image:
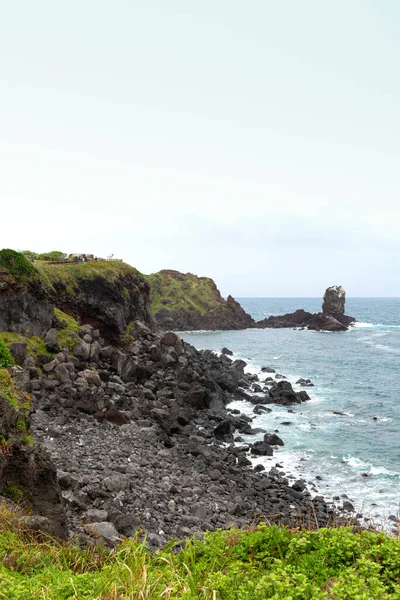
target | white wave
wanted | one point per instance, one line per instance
(382, 471)
(387, 348)
(276, 357)
(355, 462)
(369, 468)
(362, 324)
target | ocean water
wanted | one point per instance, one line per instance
(356, 373)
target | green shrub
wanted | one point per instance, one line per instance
(17, 264)
(20, 423)
(13, 493)
(54, 255)
(6, 360)
(29, 440)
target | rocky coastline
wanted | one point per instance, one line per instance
(331, 318)
(136, 433)
(185, 302)
(141, 438)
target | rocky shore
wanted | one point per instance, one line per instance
(141, 438)
(185, 302)
(131, 430)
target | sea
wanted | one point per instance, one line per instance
(345, 441)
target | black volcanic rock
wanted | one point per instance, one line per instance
(299, 318)
(323, 322)
(332, 317)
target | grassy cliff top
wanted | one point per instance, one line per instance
(173, 290)
(72, 274)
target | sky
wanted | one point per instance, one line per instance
(257, 143)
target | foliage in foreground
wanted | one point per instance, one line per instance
(6, 360)
(264, 562)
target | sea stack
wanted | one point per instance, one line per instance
(332, 317)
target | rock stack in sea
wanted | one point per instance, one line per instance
(332, 317)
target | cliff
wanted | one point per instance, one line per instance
(183, 301)
(106, 295)
(27, 474)
(25, 304)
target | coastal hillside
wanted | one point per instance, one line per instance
(109, 295)
(183, 301)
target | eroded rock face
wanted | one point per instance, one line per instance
(107, 304)
(25, 311)
(27, 473)
(334, 301)
(184, 302)
(231, 316)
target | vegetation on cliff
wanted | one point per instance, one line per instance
(173, 290)
(15, 268)
(259, 563)
(70, 275)
(184, 301)
(106, 294)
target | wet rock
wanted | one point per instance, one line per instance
(273, 440)
(261, 449)
(227, 351)
(259, 409)
(304, 382)
(267, 370)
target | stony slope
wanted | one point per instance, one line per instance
(183, 301)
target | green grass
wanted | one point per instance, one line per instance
(8, 390)
(35, 345)
(64, 335)
(262, 562)
(70, 274)
(173, 290)
(17, 265)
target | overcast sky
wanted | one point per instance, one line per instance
(254, 142)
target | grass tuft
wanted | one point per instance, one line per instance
(254, 564)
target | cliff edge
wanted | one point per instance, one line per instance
(183, 302)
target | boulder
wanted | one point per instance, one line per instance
(283, 394)
(324, 322)
(170, 339)
(92, 377)
(261, 449)
(51, 340)
(273, 440)
(104, 530)
(227, 352)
